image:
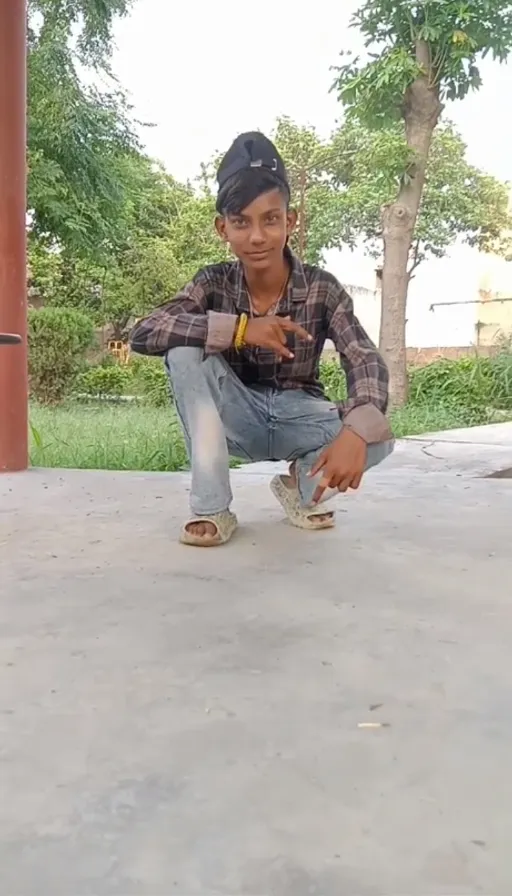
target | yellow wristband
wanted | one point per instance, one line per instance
(240, 332)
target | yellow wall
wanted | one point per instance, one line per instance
(494, 318)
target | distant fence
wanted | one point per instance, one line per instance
(420, 357)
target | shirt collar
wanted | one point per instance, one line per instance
(297, 290)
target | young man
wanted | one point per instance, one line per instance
(242, 344)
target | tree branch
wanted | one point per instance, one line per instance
(416, 258)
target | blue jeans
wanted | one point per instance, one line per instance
(220, 416)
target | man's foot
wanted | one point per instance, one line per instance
(284, 488)
(209, 531)
(290, 482)
(202, 530)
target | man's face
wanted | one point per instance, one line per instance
(258, 235)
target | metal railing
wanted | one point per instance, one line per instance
(9, 339)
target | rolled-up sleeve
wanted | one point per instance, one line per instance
(185, 321)
(364, 410)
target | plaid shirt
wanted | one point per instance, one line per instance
(205, 314)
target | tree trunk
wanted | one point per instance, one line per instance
(119, 328)
(421, 114)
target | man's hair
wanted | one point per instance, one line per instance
(246, 186)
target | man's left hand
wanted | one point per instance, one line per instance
(342, 464)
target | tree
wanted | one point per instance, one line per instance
(420, 55)
(311, 167)
(89, 21)
(111, 233)
(78, 136)
(152, 267)
(458, 202)
(168, 234)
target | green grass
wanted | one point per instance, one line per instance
(106, 437)
(137, 437)
(414, 420)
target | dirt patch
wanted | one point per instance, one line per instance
(501, 474)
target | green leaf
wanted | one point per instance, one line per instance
(458, 35)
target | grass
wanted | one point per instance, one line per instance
(138, 437)
(414, 420)
(106, 437)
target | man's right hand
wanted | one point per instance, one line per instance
(270, 332)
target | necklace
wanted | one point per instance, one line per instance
(274, 305)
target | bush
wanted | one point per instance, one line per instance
(58, 339)
(150, 381)
(333, 378)
(501, 368)
(467, 382)
(106, 380)
(476, 384)
(467, 389)
(146, 378)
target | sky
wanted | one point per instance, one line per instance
(201, 72)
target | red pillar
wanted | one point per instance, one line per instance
(13, 278)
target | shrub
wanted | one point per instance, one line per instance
(333, 378)
(467, 388)
(467, 382)
(147, 379)
(106, 380)
(58, 339)
(150, 381)
(501, 368)
(476, 384)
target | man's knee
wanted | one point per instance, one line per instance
(377, 452)
(183, 356)
(190, 369)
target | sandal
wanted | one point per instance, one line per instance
(302, 517)
(225, 523)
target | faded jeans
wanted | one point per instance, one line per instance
(220, 416)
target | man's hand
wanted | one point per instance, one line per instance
(342, 464)
(270, 332)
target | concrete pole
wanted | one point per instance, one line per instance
(13, 277)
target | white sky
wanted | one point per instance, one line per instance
(203, 72)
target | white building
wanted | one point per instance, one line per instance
(444, 306)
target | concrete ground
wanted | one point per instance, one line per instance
(294, 714)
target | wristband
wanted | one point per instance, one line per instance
(240, 332)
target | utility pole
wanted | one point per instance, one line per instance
(13, 278)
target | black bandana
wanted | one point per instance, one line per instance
(252, 150)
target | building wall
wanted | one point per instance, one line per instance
(494, 311)
(449, 299)
(494, 322)
(367, 308)
(420, 357)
